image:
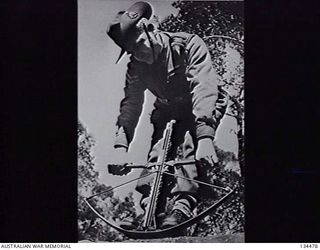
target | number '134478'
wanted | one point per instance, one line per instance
(311, 245)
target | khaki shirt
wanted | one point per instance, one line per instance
(183, 69)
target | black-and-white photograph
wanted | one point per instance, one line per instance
(161, 121)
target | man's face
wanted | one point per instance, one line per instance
(142, 49)
(144, 46)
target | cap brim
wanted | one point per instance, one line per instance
(121, 55)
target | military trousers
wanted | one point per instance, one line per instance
(183, 146)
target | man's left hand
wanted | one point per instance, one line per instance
(206, 151)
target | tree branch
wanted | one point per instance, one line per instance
(225, 37)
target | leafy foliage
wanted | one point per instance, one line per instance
(90, 226)
(229, 217)
(207, 17)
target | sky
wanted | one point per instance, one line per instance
(101, 83)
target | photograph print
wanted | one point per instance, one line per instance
(161, 121)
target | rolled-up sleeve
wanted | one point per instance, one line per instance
(203, 81)
(130, 106)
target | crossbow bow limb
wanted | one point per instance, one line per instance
(160, 233)
(159, 169)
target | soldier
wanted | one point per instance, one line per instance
(177, 69)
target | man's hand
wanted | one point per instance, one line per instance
(118, 169)
(206, 151)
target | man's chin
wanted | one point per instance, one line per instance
(145, 60)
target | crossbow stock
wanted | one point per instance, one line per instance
(149, 228)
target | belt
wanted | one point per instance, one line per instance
(175, 100)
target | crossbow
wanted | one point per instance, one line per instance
(149, 228)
